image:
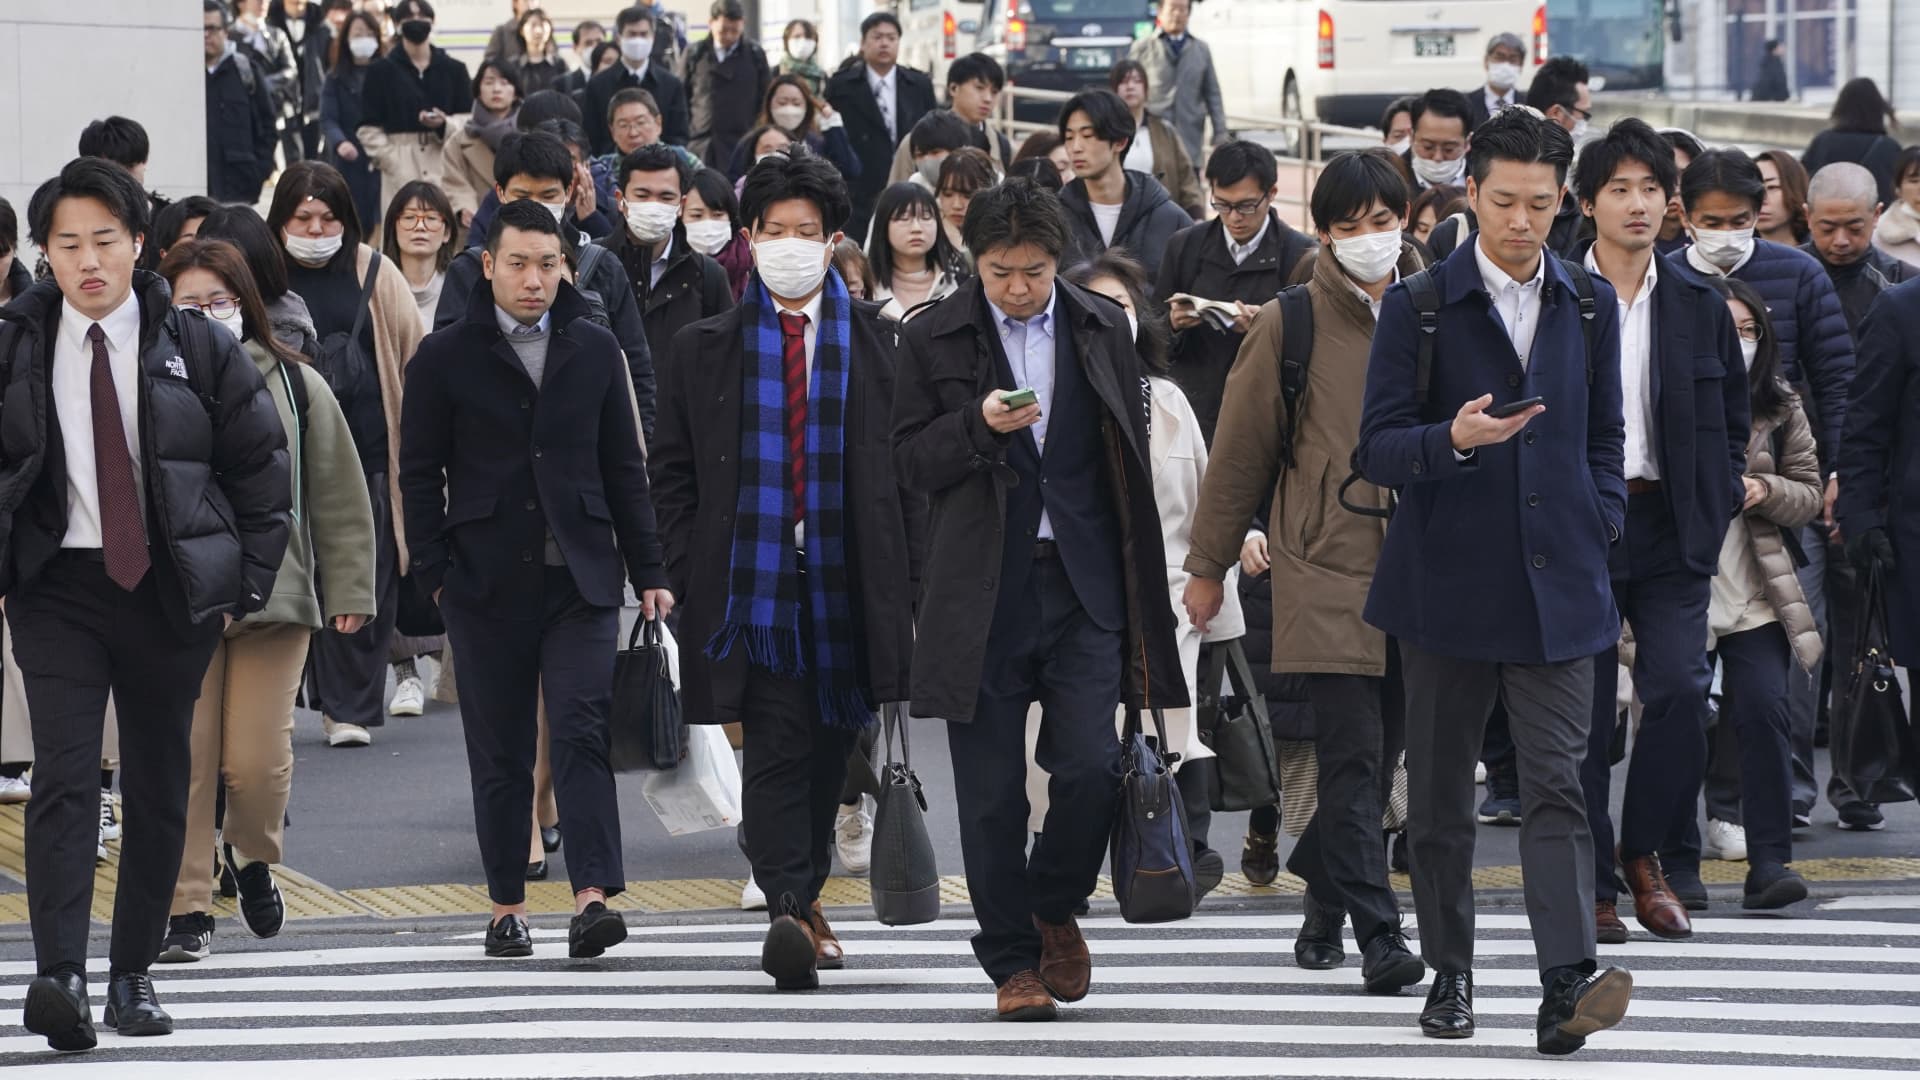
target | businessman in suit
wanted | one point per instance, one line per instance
(881, 101)
(525, 494)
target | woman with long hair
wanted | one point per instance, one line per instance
(341, 113)
(1860, 131)
(806, 117)
(963, 174)
(180, 220)
(287, 314)
(1156, 148)
(913, 262)
(242, 734)
(711, 213)
(1758, 613)
(1783, 214)
(420, 239)
(542, 67)
(466, 170)
(363, 344)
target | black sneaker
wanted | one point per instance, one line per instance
(261, 904)
(1208, 869)
(1862, 817)
(509, 937)
(1687, 887)
(189, 938)
(594, 931)
(1502, 804)
(1771, 886)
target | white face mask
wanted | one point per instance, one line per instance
(1723, 248)
(558, 210)
(308, 250)
(636, 49)
(1502, 77)
(709, 236)
(800, 48)
(1436, 173)
(1402, 146)
(1579, 132)
(362, 47)
(929, 170)
(1368, 257)
(651, 222)
(789, 116)
(791, 267)
(1749, 350)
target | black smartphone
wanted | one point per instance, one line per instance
(1501, 412)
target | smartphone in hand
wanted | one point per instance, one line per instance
(1511, 408)
(1019, 399)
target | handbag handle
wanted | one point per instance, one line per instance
(1159, 730)
(893, 720)
(1241, 673)
(1873, 633)
(650, 627)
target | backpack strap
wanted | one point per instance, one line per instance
(194, 336)
(1426, 305)
(366, 296)
(1589, 310)
(590, 256)
(295, 382)
(1296, 352)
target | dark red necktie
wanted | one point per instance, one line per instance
(793, 348)
(123, 528)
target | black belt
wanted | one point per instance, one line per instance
(1642, 487)
(1045, 549)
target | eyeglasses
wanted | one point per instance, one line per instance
(1239, 209)
(223, 308)
(641, 124)
(1751, 331)
(417, 220)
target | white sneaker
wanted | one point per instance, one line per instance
(341, 734)
(751, 898)
(109, 821)
(14, 790)
(409, 698)
(1479, 772)
(853, 837)
(1724, 840)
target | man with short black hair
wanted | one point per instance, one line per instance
(1442, 121)
(1185, 87)
(673, 284)
(1277, 423)
(726, 78)
(122, 140)
(587, 36)
(1685, 453)
(1558, 92)
(1036, 565)
(1505, 59)
(527, 514)
(640, 37)
(880, 102)
(1493, 577)
(787, 531)
(1244, 257)
(147, 495)
(1107, 205)
(974, 83)
(934, 136)
(240, 115)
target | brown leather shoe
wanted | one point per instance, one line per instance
(790, 954)
(1607, 927)
(827, 953)
(1025, 997)
(1654, 904)
(1065, 967)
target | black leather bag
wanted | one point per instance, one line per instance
(1872, 739)
(903, 877)
(649, 733)
(1152, 860)
(1246, 770)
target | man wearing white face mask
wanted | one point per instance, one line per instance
(1721, 193)
(642, 66)
(1442, 120)
(1506, 58)
(673, 284)
(791, 549)
(1275, 437)
(1558, 92)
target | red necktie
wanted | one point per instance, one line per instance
(123, 528)
(793, 348)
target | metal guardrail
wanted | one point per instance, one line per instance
(1302, 147)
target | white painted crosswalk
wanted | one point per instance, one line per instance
(1217, 996)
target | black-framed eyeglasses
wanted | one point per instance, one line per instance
(222, 308)
(1751, 331)
(1247, 208)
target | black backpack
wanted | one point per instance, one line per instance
(340, 359)
(590, 256)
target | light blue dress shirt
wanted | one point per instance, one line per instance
(1030, 346)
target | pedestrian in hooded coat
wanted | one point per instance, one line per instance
(1107, 205)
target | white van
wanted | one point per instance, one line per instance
(934, 32)
(1344, 61)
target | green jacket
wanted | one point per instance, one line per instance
(332, 515)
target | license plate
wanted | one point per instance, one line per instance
(1090, 59)
(1433, 44)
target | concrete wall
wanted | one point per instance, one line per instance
(64, 63)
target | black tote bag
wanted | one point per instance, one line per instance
(647, 728)
(1246, 769)
(1872, 738)
(903, 878)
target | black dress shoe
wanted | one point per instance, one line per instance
(1208, 869)
(1578, 1005)
(1387, 965)
(57, 1008)
(132, 1008)
(537, 871)
(594, 931)
(1687, 887)
(550, 839)
(509, 936)
(1318, 947)
(1449, 1011)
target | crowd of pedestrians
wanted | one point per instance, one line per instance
(1538, 434)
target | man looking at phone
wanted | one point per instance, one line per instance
(1686, 452)
(1493, 577)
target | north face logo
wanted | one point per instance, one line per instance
(177, 367)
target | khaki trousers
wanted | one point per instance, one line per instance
(242, 736)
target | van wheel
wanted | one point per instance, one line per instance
(1295, 140)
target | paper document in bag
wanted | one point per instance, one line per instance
(704, 792)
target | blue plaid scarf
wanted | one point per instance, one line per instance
(764, 602)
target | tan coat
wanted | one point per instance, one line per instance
(401, 158)
(1323, 554)
(1793, 499)
(1174, 167)
(396, 333)
(466, 169)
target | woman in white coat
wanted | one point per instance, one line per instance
(1179, 456)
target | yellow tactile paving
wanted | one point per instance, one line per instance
(310, 899)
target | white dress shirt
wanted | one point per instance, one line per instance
(1240, 251)
(1497, 102)
(1367, 298)
(1516, 302)
(1636, 372)
(639, 72)
(883, 94)
(73, 405)
(1029, 345)
(811, 309)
